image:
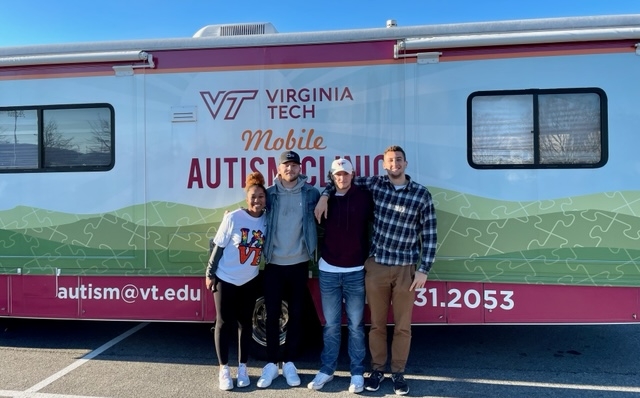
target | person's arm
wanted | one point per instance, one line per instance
(322, 209)
(428, 239)
(212, 266)
(320, 228)
(216, 248)
(364, 182)
(428, 235)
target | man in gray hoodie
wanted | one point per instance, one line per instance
(290, 244)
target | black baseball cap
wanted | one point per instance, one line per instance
(289, 156)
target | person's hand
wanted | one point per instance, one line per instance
(321, 208)
(419, 279)
(210, 283)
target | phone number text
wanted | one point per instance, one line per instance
(488, 299)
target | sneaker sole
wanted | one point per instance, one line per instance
(402, 392)
(262, 385)
(312, 386)
(294, 384)
(356, 390)
(374, 389)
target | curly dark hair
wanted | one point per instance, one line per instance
(255, 179)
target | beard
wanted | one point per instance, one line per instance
(289, 177)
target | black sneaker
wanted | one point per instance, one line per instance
(399, 384)
(373, 381)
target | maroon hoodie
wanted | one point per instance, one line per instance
(346, 240)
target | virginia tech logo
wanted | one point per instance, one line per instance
(227, 102)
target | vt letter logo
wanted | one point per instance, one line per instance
(229, 102)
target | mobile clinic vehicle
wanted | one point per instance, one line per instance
(118, 160)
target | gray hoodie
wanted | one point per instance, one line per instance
(292, 237)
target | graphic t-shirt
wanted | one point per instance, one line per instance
(242, 237)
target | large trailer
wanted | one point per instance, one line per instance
(118, 160)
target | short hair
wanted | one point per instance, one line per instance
(332, 178)
(396, 148)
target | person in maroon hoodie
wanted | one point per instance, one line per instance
(344, 249)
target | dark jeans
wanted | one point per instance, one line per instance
(284, 282)
(234, 309)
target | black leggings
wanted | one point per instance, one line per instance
(288, 282)
(234, 310)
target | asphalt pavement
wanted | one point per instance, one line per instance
(85, 359)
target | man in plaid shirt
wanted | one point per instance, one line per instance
(404, 232)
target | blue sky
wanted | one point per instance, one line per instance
(25, 22)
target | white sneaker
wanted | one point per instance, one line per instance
(291, 374)
(319, 381)
(269, 372)
(357, 384)
(224, 379)
(243, 376)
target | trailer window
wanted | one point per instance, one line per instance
(537, 129)
(65, 138)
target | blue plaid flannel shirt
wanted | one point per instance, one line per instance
(404, 228)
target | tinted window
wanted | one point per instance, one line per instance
(537, 128)
(57, 138)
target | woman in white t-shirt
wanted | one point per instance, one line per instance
(231, 275)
